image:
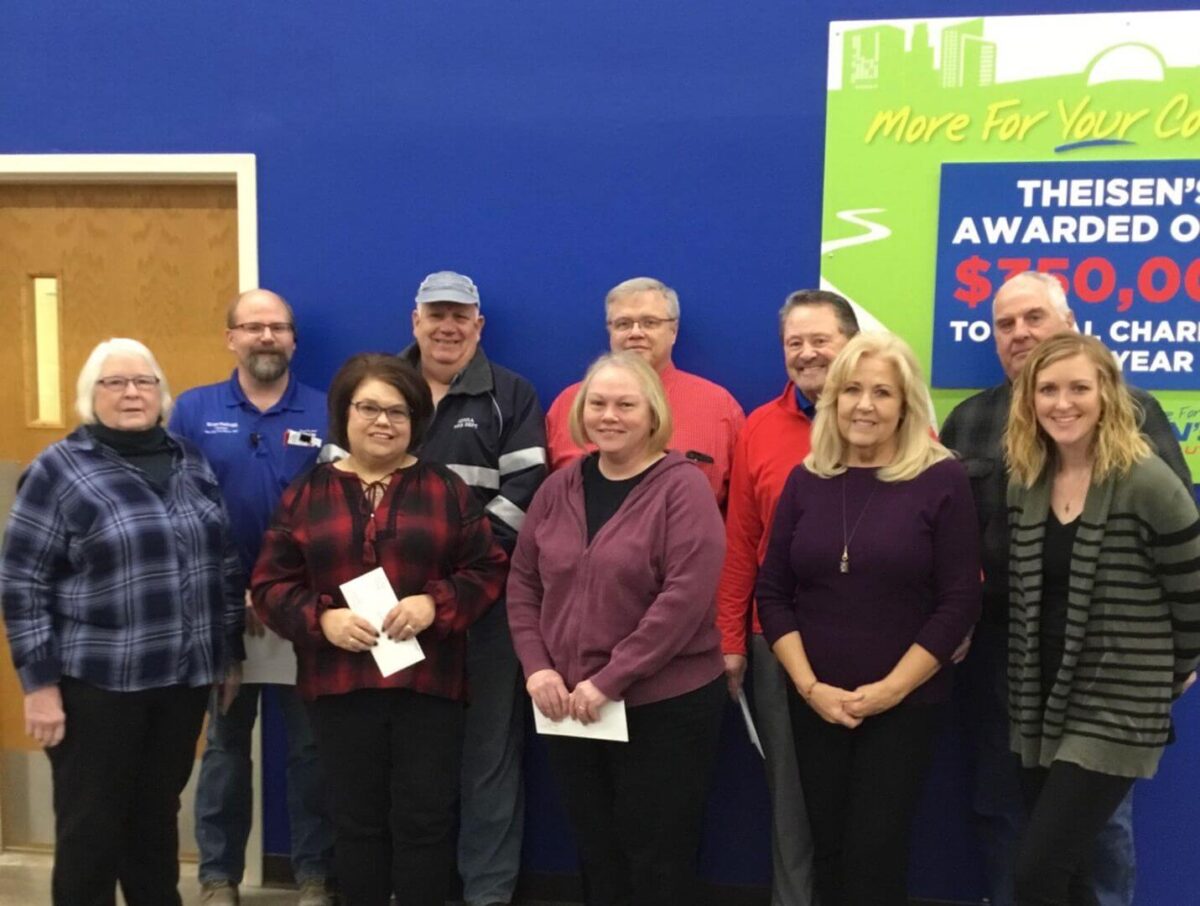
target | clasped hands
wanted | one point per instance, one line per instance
(549, 693)
(411, 616)
(849, 708)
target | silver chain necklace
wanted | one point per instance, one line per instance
(844, 565)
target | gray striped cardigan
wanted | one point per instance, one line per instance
(1133, 623)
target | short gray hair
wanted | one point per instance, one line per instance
(644, 285)
(85, 387)
(1047, 283)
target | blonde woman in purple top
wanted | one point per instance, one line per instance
(870, 583)
(611, 597)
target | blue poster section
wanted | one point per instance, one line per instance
(1122, 236)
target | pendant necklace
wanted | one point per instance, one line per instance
(844, 565)
(1072, 491)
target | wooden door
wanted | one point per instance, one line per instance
(157, 263)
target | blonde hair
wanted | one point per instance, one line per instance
(661, 424)
(916, 450)
(1117, 444)
(85, 385)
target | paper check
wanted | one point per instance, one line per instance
(611, 726)
(371, 596)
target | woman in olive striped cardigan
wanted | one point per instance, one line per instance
(1104, 626)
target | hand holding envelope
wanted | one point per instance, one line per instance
(411, 616)
(549, 693)
(347, 630)
(372, 599)
(586, 702)
(586, 712)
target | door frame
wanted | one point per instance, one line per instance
(238, 170)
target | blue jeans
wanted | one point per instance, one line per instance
(1114, 862)
(997, 807)
(996, 799)
(493, 792)
(223, 791)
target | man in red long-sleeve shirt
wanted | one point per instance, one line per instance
(814, 325)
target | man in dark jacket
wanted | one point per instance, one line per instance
(489, 428)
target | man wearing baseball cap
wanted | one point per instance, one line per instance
(488, 427)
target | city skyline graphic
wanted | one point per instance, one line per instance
(877, 53)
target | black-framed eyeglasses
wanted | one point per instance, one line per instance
(370, 411)
(258, 328)
(116, 383)
(648, 324)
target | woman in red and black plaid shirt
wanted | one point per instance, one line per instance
(390, 746)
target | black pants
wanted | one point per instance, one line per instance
(118, 773)
(861, 788)
(391, 758)
(637, 808)
(1068, 805)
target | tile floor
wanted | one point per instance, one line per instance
(25, 881)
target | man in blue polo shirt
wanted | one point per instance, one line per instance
(259, 430)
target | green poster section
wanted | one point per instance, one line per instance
(900, 112)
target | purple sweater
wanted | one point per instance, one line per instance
(914, 572)
(634, 610)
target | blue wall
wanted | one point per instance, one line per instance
(549, 148)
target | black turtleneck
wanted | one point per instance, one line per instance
(148, 450)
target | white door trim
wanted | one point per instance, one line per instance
(239, 170)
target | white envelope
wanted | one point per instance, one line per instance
(749, 721)
(269, 659)
(611, 726)
(371, 596)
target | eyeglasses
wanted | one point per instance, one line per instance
(116, 383)
(624, 325)
(257, 328)
(397, 415)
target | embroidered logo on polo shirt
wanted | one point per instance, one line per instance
(466, 422)
(302, 438)
(220, 427)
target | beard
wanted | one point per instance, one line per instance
(267, 365)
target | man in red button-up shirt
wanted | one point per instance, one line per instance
(642, 315)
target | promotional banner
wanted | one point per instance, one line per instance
(962, 151)
(1121, 237)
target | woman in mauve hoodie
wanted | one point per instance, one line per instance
(611, 598)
